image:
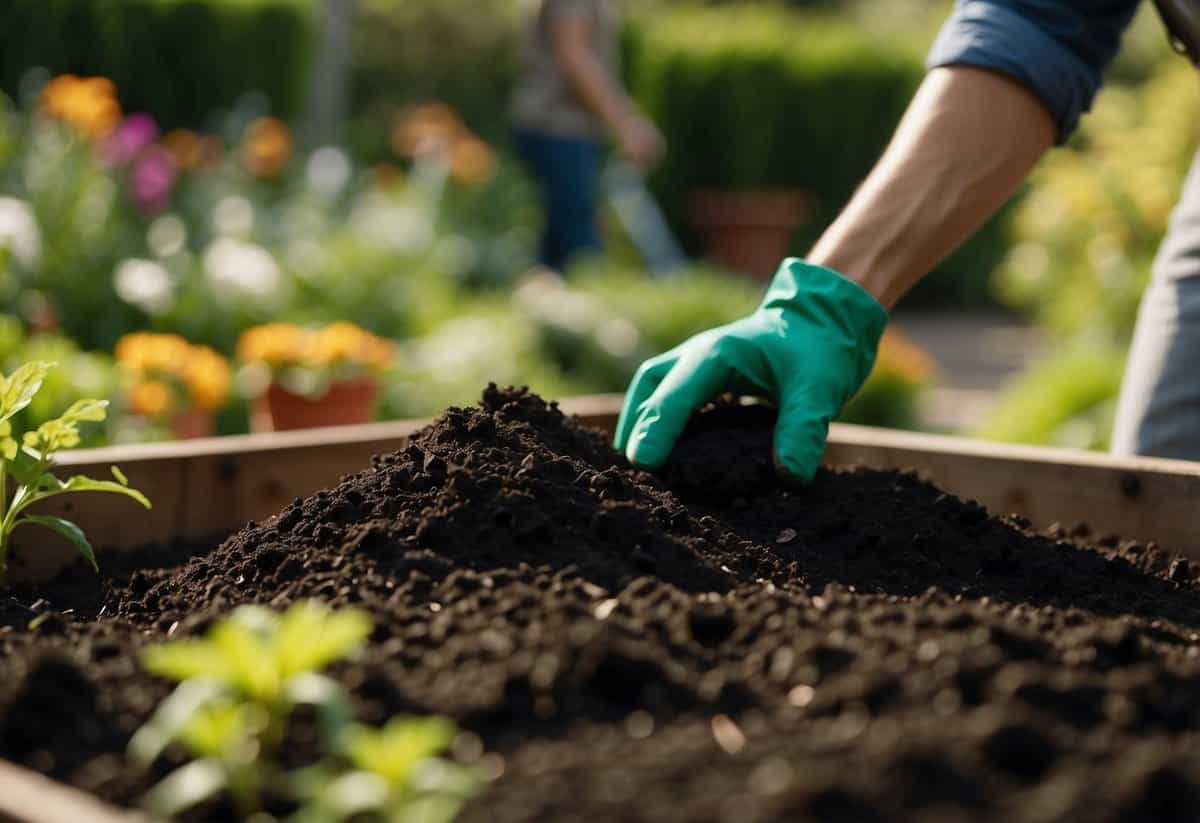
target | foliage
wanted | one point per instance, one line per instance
(78, 375)
(757, 96)
(179, 60)
(1084, 243)
(1067, 399)
(239, 688)
(27, 460)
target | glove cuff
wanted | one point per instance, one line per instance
(826, 297)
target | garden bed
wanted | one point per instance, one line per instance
(698, 645)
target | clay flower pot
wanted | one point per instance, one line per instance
(192, 423)
(345, 403)
(748, 231)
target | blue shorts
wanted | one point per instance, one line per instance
(567, 172)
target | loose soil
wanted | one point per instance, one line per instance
(703, 644)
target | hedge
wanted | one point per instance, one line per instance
(177, 59)
(759, 96)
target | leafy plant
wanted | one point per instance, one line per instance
(239, 686)
(27, 462)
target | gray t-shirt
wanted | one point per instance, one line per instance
(543, 100)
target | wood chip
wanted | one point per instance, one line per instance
(728, 736)
(605, 609)
(786, 536)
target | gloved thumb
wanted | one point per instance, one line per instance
(800, 433)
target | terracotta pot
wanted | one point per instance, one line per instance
(748, 231)
(192, 423)
(345, 403)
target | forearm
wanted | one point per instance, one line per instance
(967, 141)
(599, 92)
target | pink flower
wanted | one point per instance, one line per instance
(151, 180)
(128, 140)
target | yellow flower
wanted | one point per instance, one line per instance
(283, 344)
(89, 104)
(150, 398)
(267, 148)
(207, 377)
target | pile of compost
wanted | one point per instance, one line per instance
(701, 644)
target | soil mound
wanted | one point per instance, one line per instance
(704, 644)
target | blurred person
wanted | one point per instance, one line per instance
(1007, 81)
(568, 99)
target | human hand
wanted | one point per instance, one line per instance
(641, 142)
(809, 347)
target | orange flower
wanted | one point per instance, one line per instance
(191, 150)
(150, 398)
(88, 104)
(899, 355)
(472, 160)
(425, 128)
(197, 374)
(267, 148)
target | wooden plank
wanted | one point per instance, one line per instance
(1149, 499)
(28, 797)
(206, 486)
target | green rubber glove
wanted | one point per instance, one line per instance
(809, 347)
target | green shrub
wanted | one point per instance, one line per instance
(759, 97)
(177, 59)
(1067, 399)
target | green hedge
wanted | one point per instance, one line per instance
(177, 59)
(759, 96)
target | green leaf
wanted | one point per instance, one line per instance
(67, 529)
(85, 411)
(79, 483)
(186, 787)
(311, 636)
(182, 660)
(249, 663)
(222, 727)
(5, 428)
(393, 751)
(8, 448)
(172, 716)
(18, 389)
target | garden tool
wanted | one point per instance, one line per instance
(642, 219)
(809, 347)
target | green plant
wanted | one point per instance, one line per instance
(239, 687)
(177, 59)
(27, 462)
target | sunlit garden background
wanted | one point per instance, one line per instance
(202, 198)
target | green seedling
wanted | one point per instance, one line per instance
(26, 463)
(238, 686)
(389, 775)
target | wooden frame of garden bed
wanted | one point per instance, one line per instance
(205, 487)
(209, 486)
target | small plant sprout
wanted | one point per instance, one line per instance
(392, 775)
(26, 462)
(238, 686)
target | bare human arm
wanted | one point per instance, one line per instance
(966, 142)
(570, 41)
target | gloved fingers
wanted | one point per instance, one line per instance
(697, 377)
(800, 433)
(644, 382)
